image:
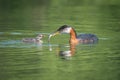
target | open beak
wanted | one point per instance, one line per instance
(53, 34)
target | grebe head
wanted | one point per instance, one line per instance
(64, 29)
(39, 37)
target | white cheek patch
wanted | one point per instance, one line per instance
(66, 30)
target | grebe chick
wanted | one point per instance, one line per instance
(38, 39)
(74, 39)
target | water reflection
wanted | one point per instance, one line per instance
(67, 54)
(68, 51)
(18, 44)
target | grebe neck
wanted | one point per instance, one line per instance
(73, 36)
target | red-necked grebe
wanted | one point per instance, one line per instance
(74, 39)
(38, 39)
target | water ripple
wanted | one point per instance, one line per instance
(17, 44)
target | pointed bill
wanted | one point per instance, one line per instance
(53, 34)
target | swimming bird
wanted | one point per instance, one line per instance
(74, 39)
(38, 39)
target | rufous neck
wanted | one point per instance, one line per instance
(73, 38)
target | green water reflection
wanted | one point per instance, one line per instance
(21, 61)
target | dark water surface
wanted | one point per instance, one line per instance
(31, 61)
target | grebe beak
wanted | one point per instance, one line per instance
(53, 34)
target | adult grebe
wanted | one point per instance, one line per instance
(74, 39)
(38, 39)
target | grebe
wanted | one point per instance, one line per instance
(38, 39)
(74, 39)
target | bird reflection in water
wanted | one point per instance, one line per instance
(68, 53)
(64, 54)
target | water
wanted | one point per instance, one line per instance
(28, 61)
